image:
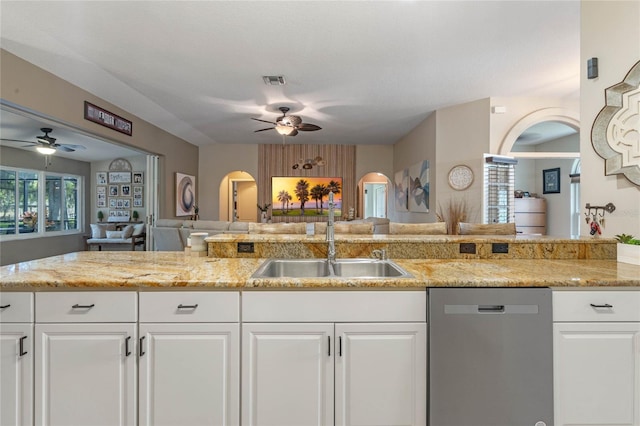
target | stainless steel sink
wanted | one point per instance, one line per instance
(368, 268)
(293, 268)
(321, 268)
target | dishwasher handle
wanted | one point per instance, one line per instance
(491, 308)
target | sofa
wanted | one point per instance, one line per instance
(105, 237)
(172, 234)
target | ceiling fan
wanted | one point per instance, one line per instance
(288, 125)
(45, 143)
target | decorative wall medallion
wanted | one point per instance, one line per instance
(460, 177)
(120, 164)
(615, 135)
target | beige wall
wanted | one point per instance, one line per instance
(36, 248)
(30, 87)
(216, 162)
(463, 137)
(610, 32)
(416, 146)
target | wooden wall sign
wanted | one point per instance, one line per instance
(107, 119)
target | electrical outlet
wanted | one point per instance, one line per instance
(468, 248)
(245, 248)
(500, 247)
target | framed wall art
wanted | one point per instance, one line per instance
(185, 194)
(305, 196)
(119, 177)
(551, 181)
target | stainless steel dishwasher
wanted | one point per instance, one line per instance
(490, 357)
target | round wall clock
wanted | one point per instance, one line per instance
(460, 177)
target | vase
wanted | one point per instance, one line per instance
(263, 217)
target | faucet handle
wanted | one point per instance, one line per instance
(380, 254)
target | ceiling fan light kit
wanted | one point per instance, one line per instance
(45, 150)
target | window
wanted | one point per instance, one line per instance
(36, 203)
(499, 182)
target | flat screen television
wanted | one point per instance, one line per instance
(305, 196)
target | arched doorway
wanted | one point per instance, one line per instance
(373, 195)
(550, 143)
(238, 197)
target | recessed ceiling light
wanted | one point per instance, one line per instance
(274, 80)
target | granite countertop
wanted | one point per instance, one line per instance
(175, 270)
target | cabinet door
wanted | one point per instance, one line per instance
(189, 374)
(597, 374)
(85, 374)
(16, 365)
(287, 374)
(381, 374)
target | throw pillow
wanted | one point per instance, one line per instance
(127, 231)
(138, 229)
(115, 234)
(96, 231)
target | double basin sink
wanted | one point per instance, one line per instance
(322, 268)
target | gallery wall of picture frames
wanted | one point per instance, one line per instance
(120, 192)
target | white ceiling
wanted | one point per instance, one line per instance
(367, 72)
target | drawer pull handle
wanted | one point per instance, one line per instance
(181, 306)
(22, 351)
(127, 352)
(329, 345)
(142, 352)
(5, 306)
(340, 346)
(606, 305)
(490, 308)
(76, 306)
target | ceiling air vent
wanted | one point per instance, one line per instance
(274, 80)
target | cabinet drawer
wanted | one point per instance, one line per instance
(16, 307)
(190, 306)
(334, 306)
(605, 306)
(87, 306)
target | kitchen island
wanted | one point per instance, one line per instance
(175, 270)
(190, 337)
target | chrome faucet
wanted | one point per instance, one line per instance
(379, 254)
(331, 245)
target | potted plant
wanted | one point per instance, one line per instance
(135, 215)
(100, 215)
(628, 249)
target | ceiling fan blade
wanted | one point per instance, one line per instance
(64, 148)
(17, 140)
(295, 132)
(262, 130)
(306, 127)
(264, 121)
(71, 146)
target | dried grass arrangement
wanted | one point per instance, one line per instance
(454, 212)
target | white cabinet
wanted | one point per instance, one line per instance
(287, 374)
(297, 363)
(380, 372)
(85, 363)
(597, 358)
(531, 215)
(16, 359)
(189, 370)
